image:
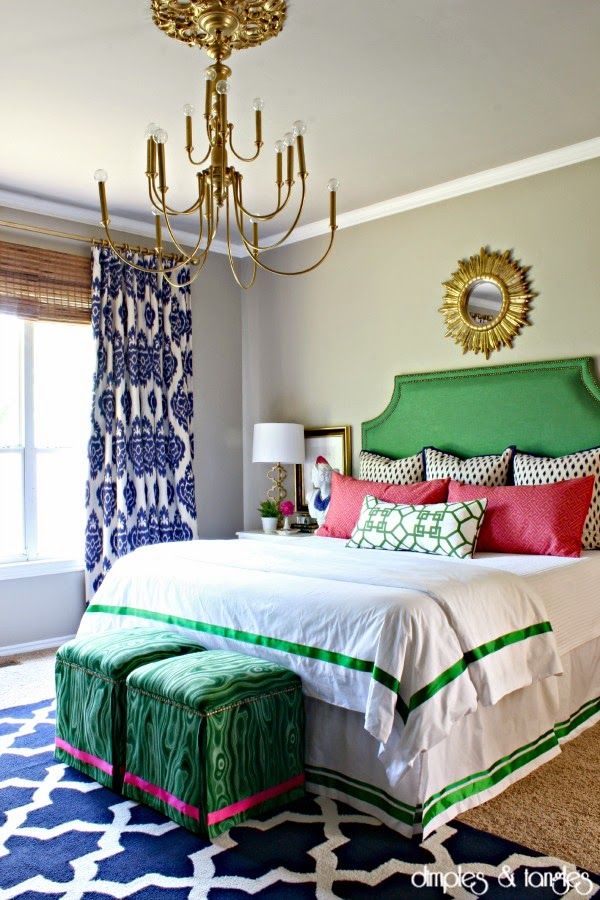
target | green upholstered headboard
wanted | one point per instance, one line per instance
(550, 407)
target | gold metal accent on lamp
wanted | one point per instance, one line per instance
(277, 475)
(219, 27)
(487, 301)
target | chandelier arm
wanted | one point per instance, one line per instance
(189, 137)
(174, 240)
(263, 218)
(283, 239)
(259, 145)
(198, 266)
(199, 262)
(156, 202)
(243, 285)
(298, 271)
(128, 262)
(199, 162)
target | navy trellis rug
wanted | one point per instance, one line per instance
(62, 835)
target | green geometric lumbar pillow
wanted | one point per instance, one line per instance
(446, 529)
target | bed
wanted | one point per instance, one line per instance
(431, 684)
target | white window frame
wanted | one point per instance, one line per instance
(30, 563)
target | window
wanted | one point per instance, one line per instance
(46, 371)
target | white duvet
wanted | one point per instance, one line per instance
(412, 642)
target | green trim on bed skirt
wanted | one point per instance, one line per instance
(548, 407)
(338, 659)
(502, 768)
(361, 790)
(458, 790)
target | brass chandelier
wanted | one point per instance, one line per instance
(218, 27)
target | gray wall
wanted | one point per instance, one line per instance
(323, 349)
(43, 607)
(40, 608)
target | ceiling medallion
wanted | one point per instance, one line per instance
(487, 301)
(219, 27)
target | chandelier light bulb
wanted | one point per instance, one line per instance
(299, 127)
(333, 184)
(222, 87)
(151, 129)
(258, 104)
(289, 138)
(101, 175)
(188, 109)
(279, 146)
(161, 136)
(210, 74)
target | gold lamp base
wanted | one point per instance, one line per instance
(220, 26)
(277, 492)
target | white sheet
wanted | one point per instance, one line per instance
(440, 636)
(570, 588)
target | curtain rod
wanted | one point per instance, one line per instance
(66, 235)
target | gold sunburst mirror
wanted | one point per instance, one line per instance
(487, 301)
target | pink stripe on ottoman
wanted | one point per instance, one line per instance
(242, 805)
(186, 808)
(82, 756)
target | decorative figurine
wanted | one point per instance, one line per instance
(318, 499)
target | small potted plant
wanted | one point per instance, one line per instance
(287, 509)
(269, 514)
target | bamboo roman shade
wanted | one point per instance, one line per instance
(45, 284)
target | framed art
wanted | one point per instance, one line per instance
(334, 442)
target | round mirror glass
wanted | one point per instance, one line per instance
(484, 302)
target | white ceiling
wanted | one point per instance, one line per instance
(398, 94)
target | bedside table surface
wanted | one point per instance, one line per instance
(259, 535)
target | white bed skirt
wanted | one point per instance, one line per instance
(484, 753)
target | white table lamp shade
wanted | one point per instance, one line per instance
(278, 442)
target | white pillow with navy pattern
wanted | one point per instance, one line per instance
(374, 467)
(530, 469)
(445, 529)
(488, 471)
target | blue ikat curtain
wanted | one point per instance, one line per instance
(141, 482)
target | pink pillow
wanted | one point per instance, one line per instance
(542, 519)
(347, 495)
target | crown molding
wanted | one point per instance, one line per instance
(42, 206)
(447, 190)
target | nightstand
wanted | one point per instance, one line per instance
(261, 536)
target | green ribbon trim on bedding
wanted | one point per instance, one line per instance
(329, 656)
(471, 656)
(513, 637)
(458, 790)
(338, 659)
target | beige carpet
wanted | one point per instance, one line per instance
(555, 810)
(26, 678)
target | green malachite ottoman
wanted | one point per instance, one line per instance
(90, 695)
(214, 738)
